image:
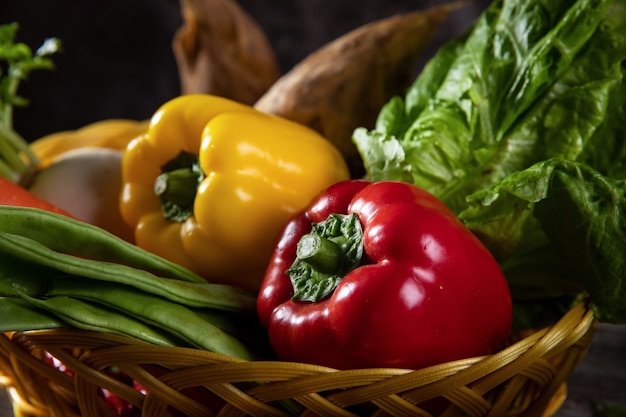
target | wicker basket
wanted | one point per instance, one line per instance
(525, 379)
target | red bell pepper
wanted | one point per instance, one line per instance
(382, 275)
(13, 194)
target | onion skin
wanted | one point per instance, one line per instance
(86, 183)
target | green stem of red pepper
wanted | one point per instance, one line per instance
(320, 253)
(332, 249)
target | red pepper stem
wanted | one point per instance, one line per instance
(322, 254)
(325, 255)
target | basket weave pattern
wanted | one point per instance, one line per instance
(525, 379)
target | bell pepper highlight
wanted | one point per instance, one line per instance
(382, 275)
(212, 182)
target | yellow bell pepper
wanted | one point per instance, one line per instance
(109, 133)
(212, 182)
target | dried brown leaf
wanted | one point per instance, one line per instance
(221, 50)
(344, 84)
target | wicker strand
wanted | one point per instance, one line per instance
(527, 378)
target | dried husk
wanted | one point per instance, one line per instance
(221, 50)
(344, 84)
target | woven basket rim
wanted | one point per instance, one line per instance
(545, 357)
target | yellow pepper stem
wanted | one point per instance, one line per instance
(177, 186)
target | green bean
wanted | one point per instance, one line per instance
(71, 236)
(19, 315)
(204, 294)
(19, 277)
(93, 317)
(246, 328)
(174, 318)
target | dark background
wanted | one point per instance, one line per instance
(117, 60)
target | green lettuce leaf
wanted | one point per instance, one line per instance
(520, 128)
(479, 110)
(558, 227)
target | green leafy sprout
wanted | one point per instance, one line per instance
(17, 61)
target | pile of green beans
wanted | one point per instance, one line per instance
(56, 271)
